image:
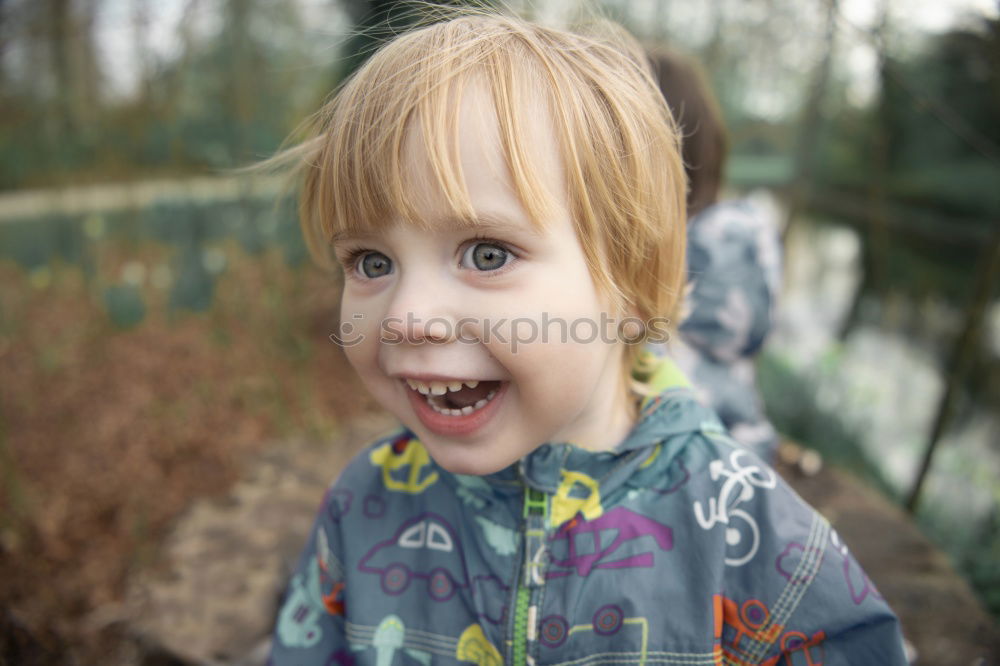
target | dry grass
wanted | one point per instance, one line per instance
(107, 434)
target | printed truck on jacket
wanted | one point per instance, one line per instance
(590, 544)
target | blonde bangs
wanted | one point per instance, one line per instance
(355, 180)
(626, 182)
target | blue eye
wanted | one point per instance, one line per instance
(375, 264)
(486, 256)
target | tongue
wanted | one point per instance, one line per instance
(469, 396)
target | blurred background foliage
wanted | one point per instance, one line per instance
(873, 125)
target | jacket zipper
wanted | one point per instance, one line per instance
(536, 508)
(521, 625)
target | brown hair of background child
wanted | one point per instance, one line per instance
(705, 144)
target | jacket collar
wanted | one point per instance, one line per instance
(667, 421)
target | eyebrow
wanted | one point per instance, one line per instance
(342, 235)
(497, 223)
(487, 222)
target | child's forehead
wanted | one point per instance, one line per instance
(493, 117)
(422, 122)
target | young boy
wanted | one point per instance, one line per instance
(734, 263)
(507, 202)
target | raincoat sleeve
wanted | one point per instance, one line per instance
(840, 612)
(803, 599)
(734, 268)
(309, 628)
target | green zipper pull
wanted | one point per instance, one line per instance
(535, 503)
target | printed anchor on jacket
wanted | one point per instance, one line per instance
(406, 465)
(427, 548)
(591, 543)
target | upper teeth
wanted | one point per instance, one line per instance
(439, 388)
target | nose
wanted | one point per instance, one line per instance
(421, 311)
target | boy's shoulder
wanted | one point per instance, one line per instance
(782, 573)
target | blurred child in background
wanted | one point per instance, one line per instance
(734, 265)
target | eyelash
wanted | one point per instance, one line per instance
(350, 260)
(475, 240)
(351, 257)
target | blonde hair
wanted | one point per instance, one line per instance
(625, 180)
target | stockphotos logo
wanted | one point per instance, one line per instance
(515, 332)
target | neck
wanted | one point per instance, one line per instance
(614, 424)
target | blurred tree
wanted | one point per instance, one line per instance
(140, 40)
(875, 250)
(233, 93)
(945, 139)
(67, 26)
(804, 158)
(378, 20)
(920, 166)
(245, 59)
(227, 96)
(963, 353)
(917, 173)
(52, 84)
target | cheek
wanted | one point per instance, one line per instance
(352, 304)
(361, 315)
(361, 341)
(363, 362)
(556, 374)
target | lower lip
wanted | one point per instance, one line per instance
(443, 424)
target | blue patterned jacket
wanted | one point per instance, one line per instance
(679, 547)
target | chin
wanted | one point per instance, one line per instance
(468, 461)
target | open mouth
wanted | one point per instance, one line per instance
(458, 397)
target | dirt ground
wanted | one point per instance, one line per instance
(941, 616)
